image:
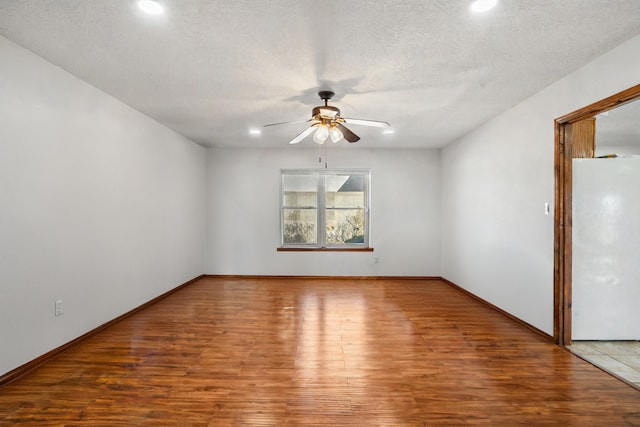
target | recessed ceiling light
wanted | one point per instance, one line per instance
(480, 6)
(388, 131)
(151, 7)
(255, 132)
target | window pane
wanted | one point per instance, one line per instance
(324, 207)
(300, 190)
(345, 226)
(300, 226)
(344, 191)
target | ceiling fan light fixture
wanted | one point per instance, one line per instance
(321, 134)
(335, 134)
(151, 7)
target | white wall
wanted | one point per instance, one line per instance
(244, 213)
(619, 150)
(497, 241)
(100, 206)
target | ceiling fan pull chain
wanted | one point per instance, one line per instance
(325, 158)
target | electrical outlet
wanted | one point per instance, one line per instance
(59, 308)
(376, 260)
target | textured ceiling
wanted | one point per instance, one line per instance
(213, 69)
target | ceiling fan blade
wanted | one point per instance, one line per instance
(285, 123)
(302, 135)
(375, 123)
(347, 134)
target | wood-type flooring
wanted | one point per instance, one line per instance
(304, 352)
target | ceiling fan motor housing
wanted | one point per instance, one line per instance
(325, 112)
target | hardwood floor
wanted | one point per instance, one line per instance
(318, 352)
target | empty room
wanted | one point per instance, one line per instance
(402, 213)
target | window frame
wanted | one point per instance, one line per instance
(321, 208)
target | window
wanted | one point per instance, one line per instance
(325, 208)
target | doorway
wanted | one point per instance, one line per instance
(574, 138)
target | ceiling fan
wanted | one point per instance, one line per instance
(326, 122)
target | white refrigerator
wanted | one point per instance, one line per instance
(606, 249)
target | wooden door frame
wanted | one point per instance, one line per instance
(565, 151)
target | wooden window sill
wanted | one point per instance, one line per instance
(290, 249)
